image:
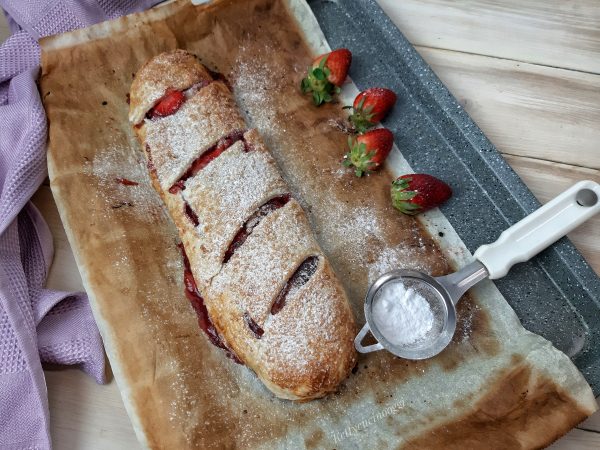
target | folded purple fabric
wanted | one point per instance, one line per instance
(36, 324)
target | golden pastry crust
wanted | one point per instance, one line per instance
(306, 347)
(172, 70)
(303, 348)
(175, 141)
(220, 211)
(319, 347)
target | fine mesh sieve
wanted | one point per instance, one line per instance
(519, 243)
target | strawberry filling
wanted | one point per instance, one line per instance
(298, 279)
(126, 182)
(189, 212)
(252, 222)
(254, 327)
(193, 295)
(149, 162)
(168, 104)
(212, 153)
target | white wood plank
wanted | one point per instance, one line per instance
(525, 109)
(555, 33)
(84, 415)
(577, 440)
(546, 180)
(593, 424)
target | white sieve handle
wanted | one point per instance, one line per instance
(359, 338)
(540, 229)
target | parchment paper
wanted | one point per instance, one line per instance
(496, 386)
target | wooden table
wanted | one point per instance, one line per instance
(529, 75)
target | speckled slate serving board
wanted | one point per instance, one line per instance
(557, 294)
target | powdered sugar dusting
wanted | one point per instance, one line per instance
(177, 140)
(115, 162)
(253, 86)
(261, 267)
(352, 229)
(170, 70)
(467, 316)
(359, 239)
(307, 329)
(392, 258)
(228, 191)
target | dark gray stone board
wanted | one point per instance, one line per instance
(557, 294)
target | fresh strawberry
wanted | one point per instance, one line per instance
(326, 75)
(370, 107)
(168, 104)
(338, 62)
(369, 150)
(419, 192)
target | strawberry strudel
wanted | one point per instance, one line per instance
(255, 274)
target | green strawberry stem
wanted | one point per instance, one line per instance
(401, 197)
(361, 118)
(359, 157)
(317, 83)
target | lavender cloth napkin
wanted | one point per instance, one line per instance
(36, 324)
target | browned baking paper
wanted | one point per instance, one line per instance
(496, 386)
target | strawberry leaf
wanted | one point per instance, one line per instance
(305, 85)
(361, 103)
(322, 62)
(402, 196)
(317, 99)
(317, 83)
(359, 157)
(361, 117)
(319, 74)
(401, 183)
(407, 208)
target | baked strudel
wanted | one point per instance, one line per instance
(262, 287)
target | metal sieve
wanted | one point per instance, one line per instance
(517, 244)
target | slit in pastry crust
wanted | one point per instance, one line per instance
(209, 155)
(179, 139)
(246, 229)
(191, 214)
(177, 70)
(254, 327)
(300, 277)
